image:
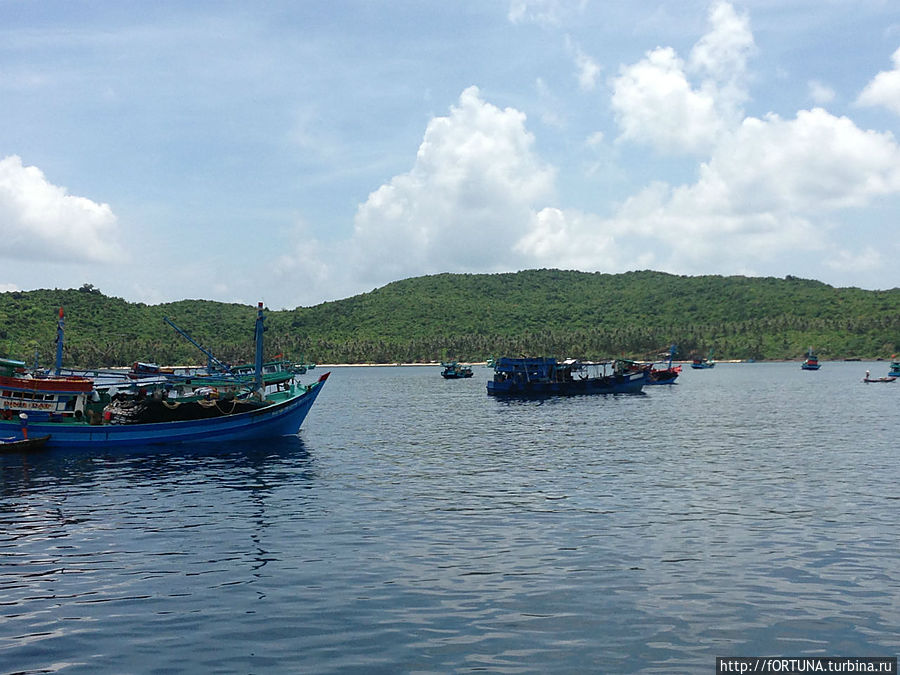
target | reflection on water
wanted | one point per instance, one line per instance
(24, 471)
(420, 525)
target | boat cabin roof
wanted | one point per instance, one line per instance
(11, 363)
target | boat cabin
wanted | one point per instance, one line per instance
(44, 398)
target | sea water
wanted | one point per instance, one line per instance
(417, 525)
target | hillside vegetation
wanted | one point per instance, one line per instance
(473, 316)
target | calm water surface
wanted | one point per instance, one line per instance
(417, 525)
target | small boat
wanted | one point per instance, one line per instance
(811, 362)
(13, 444)
(870, 379)
(547, 377)
(666, 375)
(454, 371)
(651, 374)
(699, 363)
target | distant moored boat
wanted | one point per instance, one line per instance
(811, 362)
(700, 363)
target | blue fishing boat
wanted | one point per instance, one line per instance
(455, 371)
(546, 376)
(811, 362)
(74, 413)
(895, 367)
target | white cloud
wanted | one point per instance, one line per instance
(884, 89)
(655, 102)
(41, 221)
(595, 139)
(462, 205)
(820, 93)
(758, 198)
(846, 261)
(588, 70)
(721, 55)
(6, 288)
(310, 266)
(577, 240)
(546, 13)
(812, 164)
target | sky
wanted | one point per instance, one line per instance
(301, 152)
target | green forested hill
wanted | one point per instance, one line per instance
(473, 316)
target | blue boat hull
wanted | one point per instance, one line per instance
(809, 366)
(279, 419)
(611, 385)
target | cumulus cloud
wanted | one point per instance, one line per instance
(656, 103)
(41, 221)
(462, 205)
(884, 89)
(814, 163)
(760, 195)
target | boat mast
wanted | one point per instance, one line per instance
(260, 328)
(59, 341)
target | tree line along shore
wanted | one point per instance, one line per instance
(473, 317)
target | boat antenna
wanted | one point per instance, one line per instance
(60, 324)
(260, 329)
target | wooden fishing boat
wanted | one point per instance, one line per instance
(811, 362)
(546, 376)
(868, 378)
(74, 413)
(455, 371)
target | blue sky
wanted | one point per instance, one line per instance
(298, 152)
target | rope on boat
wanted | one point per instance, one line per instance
(233, 406)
